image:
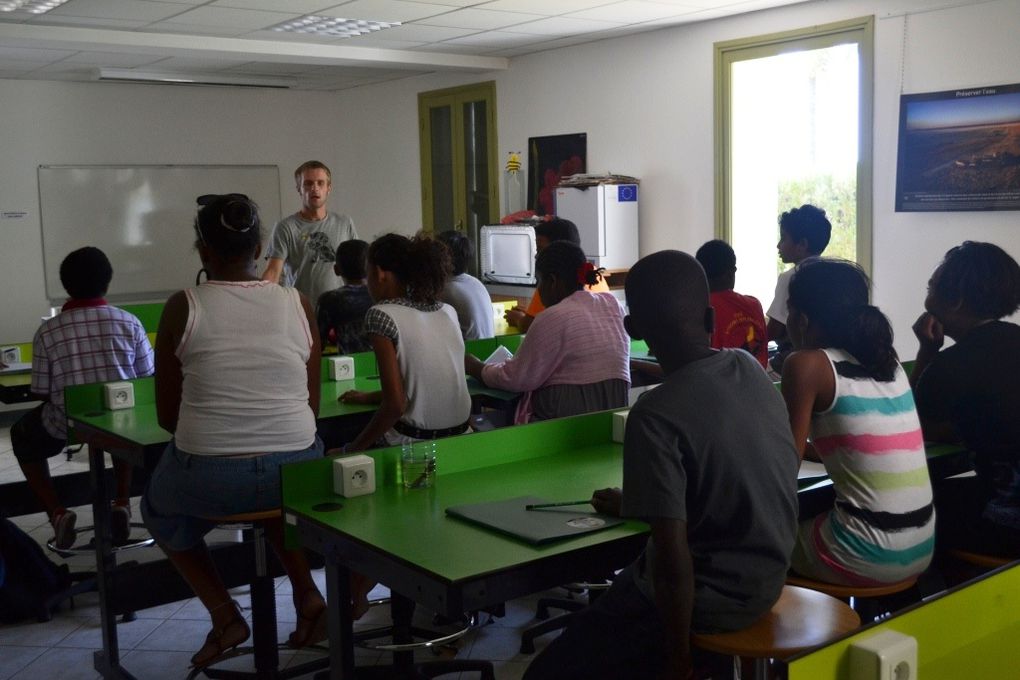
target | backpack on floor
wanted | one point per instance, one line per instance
(28, 578)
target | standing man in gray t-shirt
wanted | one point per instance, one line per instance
(303, 247)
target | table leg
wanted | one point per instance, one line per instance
(107, 661)
(341, 625)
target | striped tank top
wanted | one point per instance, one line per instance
(882, 528)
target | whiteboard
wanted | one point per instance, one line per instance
(142, 217)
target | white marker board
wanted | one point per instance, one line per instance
(142, 217)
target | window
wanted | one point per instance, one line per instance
(793, 126)
(458, 159)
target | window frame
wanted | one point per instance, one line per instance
(860, 31)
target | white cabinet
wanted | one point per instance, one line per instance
(606, 216)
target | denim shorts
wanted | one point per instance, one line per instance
(185, 489)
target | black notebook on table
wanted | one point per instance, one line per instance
(534, 526)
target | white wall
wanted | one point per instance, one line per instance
(646, 102)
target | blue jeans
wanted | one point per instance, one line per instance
(186, 489)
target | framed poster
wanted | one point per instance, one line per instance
(959, 150)
(549, 159)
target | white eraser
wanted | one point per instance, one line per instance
(354, 475)
(119, 395)
(619, 425)
(341, 368)
(887, 655)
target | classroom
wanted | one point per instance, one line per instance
(644, 97)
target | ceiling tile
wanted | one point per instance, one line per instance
(422, 33)
(480, 19)
(563, 26)
(92, 22)
(494, 40)
(132, 10)
(299, 6)
(544, 7)
(387, 10)
(631, 12)
(113, 59)
(227, 17)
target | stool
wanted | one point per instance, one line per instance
(981, 560)
(568, 605)
(800, 619)
(89, 548)
(871, 602)
(402, 610)
(263, 614)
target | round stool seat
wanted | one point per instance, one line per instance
(800, 619)
(980, 560)
(247, 517)
(844, 592)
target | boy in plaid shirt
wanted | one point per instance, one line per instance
(89, 341)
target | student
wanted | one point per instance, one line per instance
(237, 384)
(341, 312)
(739, 319)
(417, 344)
(556, 229)
(88, 342)
(969, 392)
(574, 358)
(722, 521)
(804, 233)
(465, 293)
(844, 386)
(303, 246)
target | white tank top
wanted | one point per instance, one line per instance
(244, 357)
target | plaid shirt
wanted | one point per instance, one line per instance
(84, 345)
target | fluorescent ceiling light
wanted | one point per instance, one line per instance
(131, 76)
(33, 6)
(333, 26)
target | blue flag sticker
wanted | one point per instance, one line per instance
(626, 193)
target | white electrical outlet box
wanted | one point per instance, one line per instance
(10, 355)
(353, 475)
(118, 395)
(341, 368)
(887, 655)
(619, 425)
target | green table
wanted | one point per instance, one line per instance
(404, 538)
(134, 435)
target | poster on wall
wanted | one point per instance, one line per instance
(959, 150)
(549, 159)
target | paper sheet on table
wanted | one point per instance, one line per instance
(499, 355)
(809, 469)
(17, 367)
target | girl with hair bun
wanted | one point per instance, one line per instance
(575, 357)
(237, 384)
(844, 386)
(418, 347)
(417, 344)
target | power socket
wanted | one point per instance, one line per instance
(10, 355)
(118, 395)
(341, 368)
(887, 655)
(353, 475)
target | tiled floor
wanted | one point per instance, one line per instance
(160, 642)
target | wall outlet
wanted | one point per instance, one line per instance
(353, 475)
(341, 368)
(10, 355)
(887, 655)
(619, 425)
(118, 395)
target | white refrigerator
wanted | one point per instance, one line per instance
(606, 216)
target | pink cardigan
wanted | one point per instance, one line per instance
(578, 341)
